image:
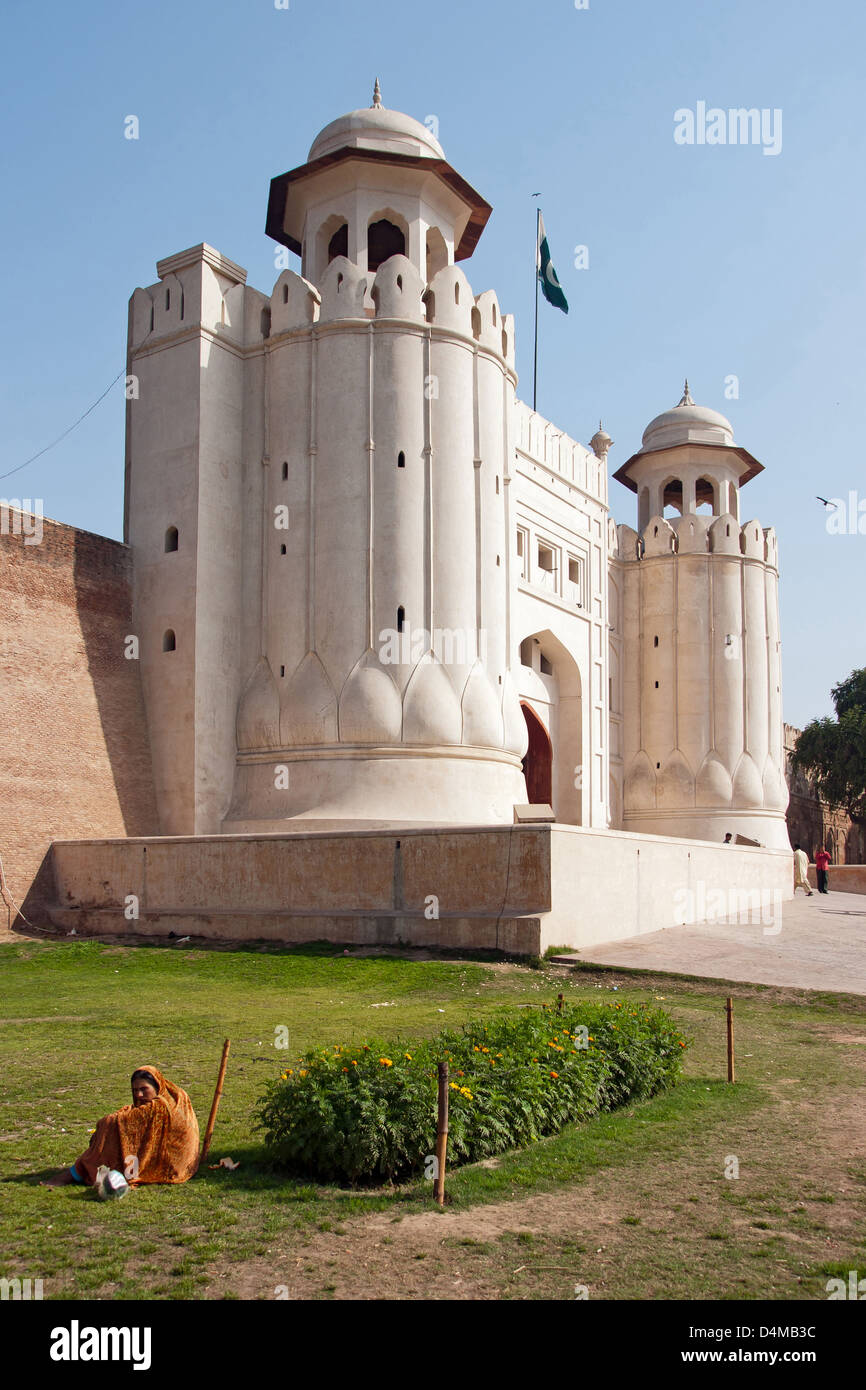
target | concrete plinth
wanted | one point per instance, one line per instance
(518, 888)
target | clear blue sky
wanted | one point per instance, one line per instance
(703, 260)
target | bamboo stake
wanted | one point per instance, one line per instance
(729, 1009)
(216, 1103)
(441, 1135)
(559, 1004)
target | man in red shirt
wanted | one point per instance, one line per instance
(822, 859)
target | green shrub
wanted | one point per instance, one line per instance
(369, 1112)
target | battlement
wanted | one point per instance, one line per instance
(199, 288)
(541, 442)
(695, 534)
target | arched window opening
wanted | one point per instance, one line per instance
(282, 549)
(401, 618)
(167, 300)
(655, 641)
(181, 303)
(151, 316)
(673, 497)
(266, 323)
(285, 293)
(285, 471)
(169, 641)
(456, 293)
(171, 539)
(493, 313)
(401, 459)
(504, 343)
(476, 323)
(437, 254)
(339, 243)
(705, 496)
(399, 282)
(384, 240)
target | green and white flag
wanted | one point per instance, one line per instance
(550, 286)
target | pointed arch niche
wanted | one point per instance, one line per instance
(551, 697)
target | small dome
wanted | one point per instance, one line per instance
(687, 423)
(376, 128)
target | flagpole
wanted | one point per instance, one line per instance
(535, 358)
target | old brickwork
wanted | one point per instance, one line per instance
(76, 760)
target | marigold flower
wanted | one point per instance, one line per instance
(302, 1073)
(345, 1068)
(354, 1064)
(385, 1062)
(555, 1075)
(408, 1056)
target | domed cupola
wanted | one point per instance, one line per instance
(376, 184)
(687, 458)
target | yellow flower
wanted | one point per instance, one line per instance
(464, 1091)
(385, 1062)
(302, 1073)
(354, 1064)
(408, 1056)
(485, 1049)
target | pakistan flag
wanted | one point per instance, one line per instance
(550, 285)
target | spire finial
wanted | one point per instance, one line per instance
(686, 400)
(377, 95)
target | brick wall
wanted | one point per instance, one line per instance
(75, 755)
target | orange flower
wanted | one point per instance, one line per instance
(555, 1075)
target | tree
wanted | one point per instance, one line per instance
(832, 752)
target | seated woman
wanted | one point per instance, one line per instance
(153, 1140)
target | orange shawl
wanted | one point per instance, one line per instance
(155, 1142)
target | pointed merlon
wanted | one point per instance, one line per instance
(377, 94)
(686, 400)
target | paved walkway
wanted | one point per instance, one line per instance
(822, 945)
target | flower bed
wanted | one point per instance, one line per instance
(368, 1112)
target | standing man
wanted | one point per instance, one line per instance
(822, 859)
(801, 870)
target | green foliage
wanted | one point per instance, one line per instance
(833, 751)
(368, 1112)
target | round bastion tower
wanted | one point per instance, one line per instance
(382, 690)
(703, 738)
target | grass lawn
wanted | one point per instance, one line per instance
(634, 1204)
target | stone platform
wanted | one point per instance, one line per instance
(513, 888)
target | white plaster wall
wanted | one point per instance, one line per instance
(609, 885)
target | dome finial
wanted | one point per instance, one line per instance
(377, 95)
(686, 400)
